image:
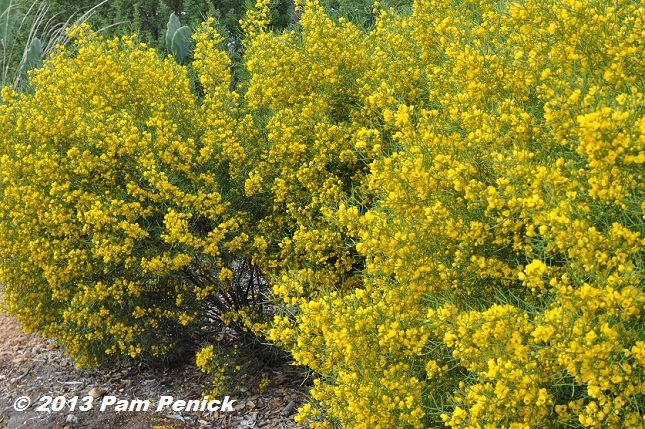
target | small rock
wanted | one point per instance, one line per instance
(72, 419)
(288, 409)
(96, 392)
(250, 404)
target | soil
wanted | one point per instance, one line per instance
(35, 367)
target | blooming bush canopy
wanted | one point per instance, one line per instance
(500, 223)
(113, 216)
(449, 207)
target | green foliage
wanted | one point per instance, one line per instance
(5, 15)
(18, 25)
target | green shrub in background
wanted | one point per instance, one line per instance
(148, 18)
(362, 12)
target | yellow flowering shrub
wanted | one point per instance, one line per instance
(116, 235)
(449, 208)
(496, 201)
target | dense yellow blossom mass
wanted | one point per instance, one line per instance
(109, 193)
(496, 209)
(449, 208)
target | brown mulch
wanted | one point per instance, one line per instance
(33, 366)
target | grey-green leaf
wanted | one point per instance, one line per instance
(173, 26)
(181, 43)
